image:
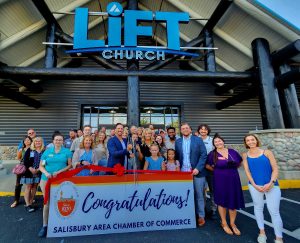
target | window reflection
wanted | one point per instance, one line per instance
(161, 116)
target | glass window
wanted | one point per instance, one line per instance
(108, 116)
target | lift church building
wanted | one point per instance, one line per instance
(63, 64)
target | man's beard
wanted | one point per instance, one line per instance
(172, 138)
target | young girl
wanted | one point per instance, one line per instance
(154, 162)
(172, 164)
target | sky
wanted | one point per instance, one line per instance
(289, 10)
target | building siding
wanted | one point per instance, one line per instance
(61, 102)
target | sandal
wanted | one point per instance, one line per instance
(235, 229)
(14, 204)
(226, 229)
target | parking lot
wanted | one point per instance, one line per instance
(17, 225)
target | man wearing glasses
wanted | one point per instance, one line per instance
(31, 133)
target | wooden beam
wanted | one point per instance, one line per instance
(269, 100)
(289, 101)
(19, 97)
(46, 13)
(133, 84)
(281, 56)
(31, 86)
(96, 74)
(246, 95)
(285, 79)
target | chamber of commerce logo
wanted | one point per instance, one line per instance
(128, 23)
(66, 199)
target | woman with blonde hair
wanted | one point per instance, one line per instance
(101, 150)
(85, 155)
(262, 172)
(144, 149)
(32, 175)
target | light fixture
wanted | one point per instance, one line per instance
(149, 111)
(112, 112)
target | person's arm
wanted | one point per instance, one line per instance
(74, 144)
(42, 166)
(94, 158)
(209, 165)
(69, 166)
(234, 158)
(114, 152)
(248, 173)
(202, 159)
(75, 159)
(146, 165)
(177, 165)
(140, 154)
(19, 154)
(274, 174)
(163, 166)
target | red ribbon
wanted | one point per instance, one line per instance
(118, 169)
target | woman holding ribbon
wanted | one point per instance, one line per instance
(85, 155)
(54, 161)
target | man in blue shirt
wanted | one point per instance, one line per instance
(191, 153)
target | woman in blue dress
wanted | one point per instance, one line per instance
(85, 155)
(227, 185)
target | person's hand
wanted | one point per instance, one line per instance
(138, 148)
(91, 172)
(267, 187)
(131, 155)
(32, 170)
(85, 162)
(55, 174)
(195, 171)
(164, 165)
(48, 175)
(129, 147)
(258, 188)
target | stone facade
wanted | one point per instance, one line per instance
(8, 152)
(285, 144)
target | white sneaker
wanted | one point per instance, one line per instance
(262, 238)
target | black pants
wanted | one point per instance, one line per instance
(18, 188)
(210, 181)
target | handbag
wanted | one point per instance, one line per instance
(19, 169)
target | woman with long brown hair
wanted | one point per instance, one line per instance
(227, 185)
(262, 172)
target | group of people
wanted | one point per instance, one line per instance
(207, 158)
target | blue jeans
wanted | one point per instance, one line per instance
(199, 185)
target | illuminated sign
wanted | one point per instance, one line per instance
(129, 49)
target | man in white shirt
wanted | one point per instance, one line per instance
(87, 129)
(204, 131)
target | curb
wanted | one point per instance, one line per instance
(284, 184)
